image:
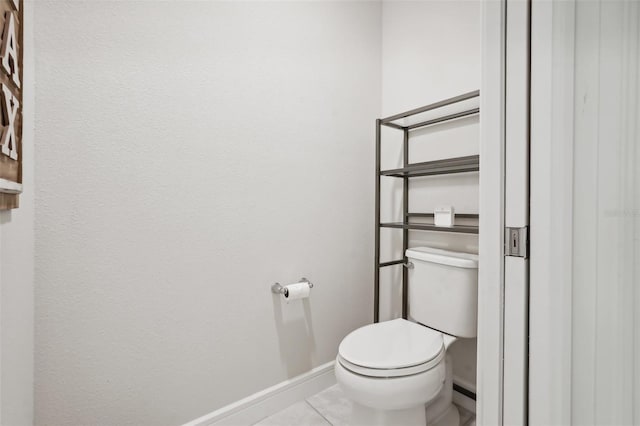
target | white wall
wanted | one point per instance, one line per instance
(16, 267)
(190, 154)
(430, 51)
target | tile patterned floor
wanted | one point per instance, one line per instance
(327, 408)
(299, 414)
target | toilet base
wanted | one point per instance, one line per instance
(441, 411)
(367, 416)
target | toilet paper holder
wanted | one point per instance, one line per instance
(278, 288)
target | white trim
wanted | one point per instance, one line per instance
(256, 407)
(552, 53)
(515, 391)
(464, 401)
(517, 115)
(10, 187)
(516, 271)
(491, 238)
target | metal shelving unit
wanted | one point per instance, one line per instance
(438, 167)
(465, 229)
(411, 170)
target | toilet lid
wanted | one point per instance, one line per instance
(391, 344)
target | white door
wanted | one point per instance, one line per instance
(585, 213)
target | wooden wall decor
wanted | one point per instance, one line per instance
(11, 15)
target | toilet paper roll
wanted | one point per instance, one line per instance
(296, 291)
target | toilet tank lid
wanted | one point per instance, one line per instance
(444, 257)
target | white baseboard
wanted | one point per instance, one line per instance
(256, 407)
(464, 401)
(461, 399)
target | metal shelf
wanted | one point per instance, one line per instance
(389, 121)
(439, 112)
(458, 215)
(461, 114)
(461, 229)
(466, 164)
(393, 262)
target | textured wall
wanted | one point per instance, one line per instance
(16, 267)
(189, 154)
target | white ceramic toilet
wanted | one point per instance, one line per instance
(398, 372)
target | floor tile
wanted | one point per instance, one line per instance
(298, 414)
(465, 416)
(332, 404)
(329, 408)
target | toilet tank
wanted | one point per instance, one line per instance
(443, 290)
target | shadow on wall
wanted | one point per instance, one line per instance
(295, 334)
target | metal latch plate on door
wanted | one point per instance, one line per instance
(516, 241)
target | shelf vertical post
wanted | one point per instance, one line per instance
(405, 219)
(376, 261)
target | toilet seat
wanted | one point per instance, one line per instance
(393, 348)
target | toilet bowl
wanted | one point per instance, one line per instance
(392, 371)
(397, 372)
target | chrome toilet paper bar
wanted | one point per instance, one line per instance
(278, 288)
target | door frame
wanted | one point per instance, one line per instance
(503, 282)
(491, 239)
